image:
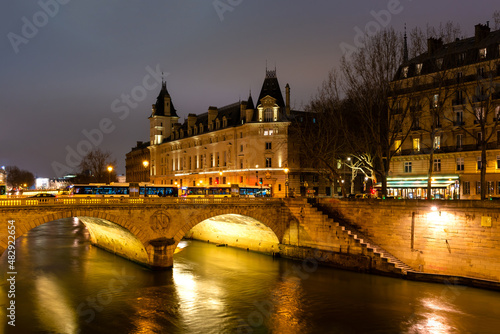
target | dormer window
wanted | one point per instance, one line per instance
(195, 128)
(482, 53)
(268, 115)
(224, 122)
(405, 72)
(418, 69)
(201, 128)
(217, 124)
(439, 63)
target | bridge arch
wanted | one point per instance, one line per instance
(259, 216)
(127, 241)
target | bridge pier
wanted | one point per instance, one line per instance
(163, 253)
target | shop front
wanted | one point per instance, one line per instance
(415, 187)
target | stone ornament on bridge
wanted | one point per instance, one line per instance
(159, 221)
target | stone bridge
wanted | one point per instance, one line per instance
(144, 230)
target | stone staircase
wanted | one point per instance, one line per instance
(303, 209)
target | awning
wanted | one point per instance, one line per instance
(438, 181)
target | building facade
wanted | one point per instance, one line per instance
(137, 163)
(449, 110)
(242, 143)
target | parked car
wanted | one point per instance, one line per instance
(43, 195)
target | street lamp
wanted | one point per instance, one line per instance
(286, 170)
(145, 163)
(110, 169)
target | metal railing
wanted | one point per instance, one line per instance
(73, 201)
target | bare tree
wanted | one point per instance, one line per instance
(94, 167)
(478, 97)
(496, 19)
(378, 101)
(19, 178)
(320, 140)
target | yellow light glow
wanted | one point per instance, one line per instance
(145, 163)
(286, 170)
(110, 169)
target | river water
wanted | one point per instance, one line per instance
(66, 285)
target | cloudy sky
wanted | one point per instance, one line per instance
(73, 70)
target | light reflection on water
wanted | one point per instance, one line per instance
(64, 286)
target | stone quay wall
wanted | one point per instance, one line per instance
(457, 238)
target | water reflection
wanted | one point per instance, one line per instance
(288, 315)
(53, 306)
(66, 287)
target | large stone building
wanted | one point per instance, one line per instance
(243, 143)
(449, 109)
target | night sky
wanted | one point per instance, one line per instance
(74, 71)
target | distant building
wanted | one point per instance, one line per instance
(242, 143)
(137, 163)
(452, 93)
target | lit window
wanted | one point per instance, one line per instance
(397, 146)
(419, 69)
(405, 72)
(435, 100)
(268, 163)
(460, 164)
(416, 144)
(437, 142)
(407, 167)
(482, 53)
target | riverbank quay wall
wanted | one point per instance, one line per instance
(455, 238)
(316, 239)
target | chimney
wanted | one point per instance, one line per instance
(287, 102)
(212, 114)
(434, 44)
(482, 31)
(139, 143)
(191, 120)
(153, 109)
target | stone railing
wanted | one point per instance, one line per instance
(69, 201)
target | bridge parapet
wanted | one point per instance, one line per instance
(68, 201)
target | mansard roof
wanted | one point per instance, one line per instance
(461, 52)
(271, 87)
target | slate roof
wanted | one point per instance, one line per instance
(160, 102)
(459, 53)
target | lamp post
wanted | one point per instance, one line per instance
(110, 169)
(256, 174)
(145, 163)
(286, 170)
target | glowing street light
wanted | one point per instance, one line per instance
(110, 169)
(286, 170)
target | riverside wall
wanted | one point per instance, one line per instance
(457, 238)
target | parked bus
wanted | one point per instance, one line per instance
(121, 190)
(225, 191)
